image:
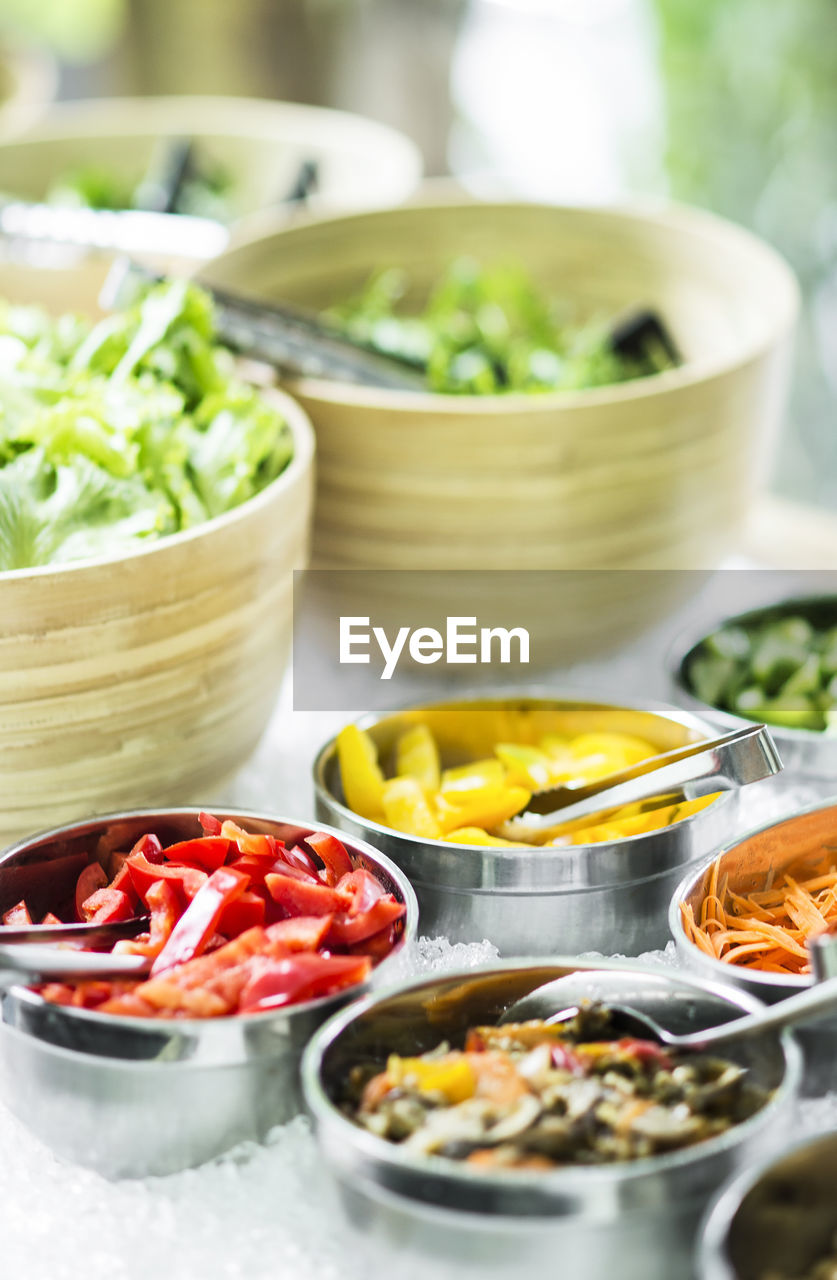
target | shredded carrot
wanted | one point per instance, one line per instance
(766, 929)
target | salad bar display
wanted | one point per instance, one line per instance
(179, 981)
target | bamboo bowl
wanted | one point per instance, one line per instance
(28, 82)
(653, 473)
(362, 164)
(149, 677)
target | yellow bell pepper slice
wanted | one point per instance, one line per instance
(363, 782)
(417, 756)
(462, 784)
(486, 809)
(525, 766)
(406, 808)
(452, 1076)
(476, 835)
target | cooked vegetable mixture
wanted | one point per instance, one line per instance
(535, 1096)
(489, 329)
(781, 670)
(825, 1269)
(125, 430)
(767, 930)
(465, 804)
(239, 923)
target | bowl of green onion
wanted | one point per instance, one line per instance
(602, 386)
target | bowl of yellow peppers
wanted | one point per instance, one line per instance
(430, 785)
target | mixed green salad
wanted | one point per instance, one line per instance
(128, 429)
(489, 329)
(205, 191)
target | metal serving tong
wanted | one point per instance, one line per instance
(30, 952)
(698, 769)
(295, 341)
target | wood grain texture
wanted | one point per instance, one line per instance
(656, 473)
(147, 679)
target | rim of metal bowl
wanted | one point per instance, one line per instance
(196, 1028)
(713, 1232)
(687, 641)
(770, 982)
(393, 1157)
(565, 856)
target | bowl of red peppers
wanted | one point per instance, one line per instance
(254, 928)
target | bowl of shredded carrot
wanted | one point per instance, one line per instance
(748, 914)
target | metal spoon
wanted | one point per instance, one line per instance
(561, 999)
(698, 769)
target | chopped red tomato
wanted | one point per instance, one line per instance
(186, 880)
(305, 976)
(18, 915)
(347, 930)
(242, 913)
(91, 879)
(362, 888)
(299, 897)
(106, 906)
(208, 853)
(238, 922)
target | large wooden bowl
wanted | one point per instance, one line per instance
(28, 82)
(653, 473)
(362, 164)
(148, 678)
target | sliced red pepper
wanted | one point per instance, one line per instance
(297, 857)
(347, 931)
(207, 852)
(303, 898)
(122, 879)
(18, 914)
(106, 906)
(376, 947)
(150, 848)
(303, 933)
(199, 921)
(363, 888)
(49, 918)
(91, 879)
(243, 913)
(333, 854)
(648, 1052)
(250, 844)
(186, 880)
(209, 824)
(304, 976)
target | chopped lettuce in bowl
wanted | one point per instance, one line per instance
(125, 430)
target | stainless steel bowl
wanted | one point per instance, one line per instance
(634, 1220)
(135, 1096)
(609, 897)
(805, 753)
(781, 1215)
(747, 863)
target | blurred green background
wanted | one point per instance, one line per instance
(729, 104)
